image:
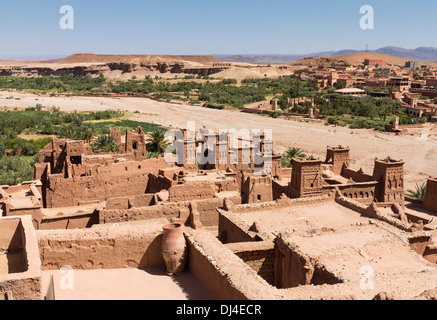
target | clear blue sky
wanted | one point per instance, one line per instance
(30, 28)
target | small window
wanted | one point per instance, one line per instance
(259, 197)
(134, 145)
(312, 185)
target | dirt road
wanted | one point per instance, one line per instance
(419, 151)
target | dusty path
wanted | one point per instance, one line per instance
(420, 155)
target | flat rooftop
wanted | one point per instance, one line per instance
(125, 284)
(344, 241)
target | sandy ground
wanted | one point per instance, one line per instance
(124, 284)
(419, 150)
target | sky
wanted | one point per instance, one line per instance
(31, 28)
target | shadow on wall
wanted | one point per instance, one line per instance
(153, 254)
(192, 287)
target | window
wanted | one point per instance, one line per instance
(259, 197)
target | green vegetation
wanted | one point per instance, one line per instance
(14, 170)
(105, 143)
(356, 112)
(64, 83)
(418, 193)
(18, 155)
(156, 142)
(287, 156)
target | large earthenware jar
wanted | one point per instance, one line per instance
(174, 249)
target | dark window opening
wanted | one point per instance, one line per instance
(76, 159)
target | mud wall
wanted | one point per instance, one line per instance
(260, 256)
(191, 191)
(127, 178)
(206, 209)
(225, 275)
(232, 231)
(103, 247)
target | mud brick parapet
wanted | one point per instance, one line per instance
(260, 256)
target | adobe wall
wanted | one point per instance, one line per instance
(140, 200)
(26, 283)
(280, 203)
(172, 210)
(78, 221)
(357, 176)
(371, 211)
(294, 268)
(234, 230)
(158, 183)
(260, 256)
(118, 179)
(191, 191)
(430, 253)
(225, 275)
(279, 189)
(430, 201)
(136, 245)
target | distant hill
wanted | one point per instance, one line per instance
(424, 54)
(352, 59)
(86, 58)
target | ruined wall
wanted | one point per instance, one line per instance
(225, 275)
(357, 176)
(279, 189)
(80, 221)
(260, 256)
(233, 230)
(118, 179)
(140, 200)
(206, 209)
(22, 281)
(430, 201)
(191, 191)
(158, 183)
(293, 268)
(103, 247)
(257, 189)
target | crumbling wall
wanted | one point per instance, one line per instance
(78, 221)
(172, 210)
(158, 183)
(260, 256)
(233, 230)
(126, 178)
(225, 275)
(191, 191)
(22, 282)
(294, 268)
(103, 247)
(357, 176)
(140, 200)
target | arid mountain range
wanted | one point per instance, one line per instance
(425, 54)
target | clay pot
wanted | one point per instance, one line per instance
(174, 249)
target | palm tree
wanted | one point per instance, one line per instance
(294, 152)
(105, 143)
(418, 194)
(156, 142)
(291, 153)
